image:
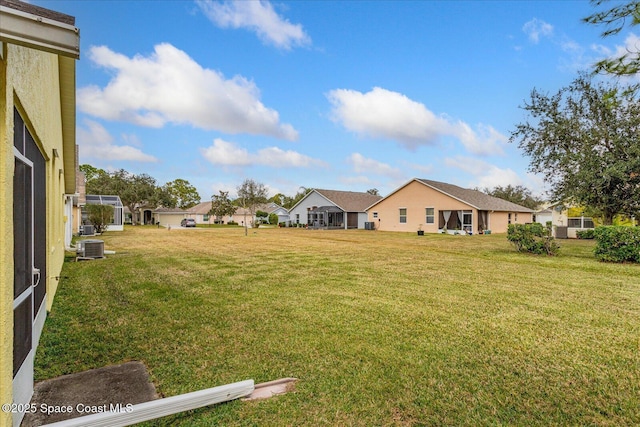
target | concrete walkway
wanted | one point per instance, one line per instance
(105, 389)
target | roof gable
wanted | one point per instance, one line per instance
(349, 201)
(201, 208)
(474, 198)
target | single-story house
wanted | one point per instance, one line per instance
(333, 209)
(38, 52)
(274, 208)
(565, 221)
(543, 216)
(270, 208)
(200, 213)
(169, 216)
(437, 206)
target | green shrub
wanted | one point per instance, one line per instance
(533, 238)
(100, 216)
(585, 234)
(617, 244)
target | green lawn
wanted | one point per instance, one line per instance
(380, 328)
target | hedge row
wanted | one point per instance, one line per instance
(617, 244)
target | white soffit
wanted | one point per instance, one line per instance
(38, 32)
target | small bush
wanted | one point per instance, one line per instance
(585, 234)
(100, 216)
(232, 223)
(533, 238)
(617, 244)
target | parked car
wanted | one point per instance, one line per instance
(188, 222)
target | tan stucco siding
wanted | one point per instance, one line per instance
(33, 77)
(30, 82)
(499, 221)
(415, 197)
(6, 245)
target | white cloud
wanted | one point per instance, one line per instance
(365, 165)
(170, 87)
(537, 28)
(226, 153)
(484, 140)
(256, 16)
(276, 157)
(384, 114)
(485, 174)
(97, 143)
(230, 188)
(630, 47)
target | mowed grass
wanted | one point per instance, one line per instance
(380, 328)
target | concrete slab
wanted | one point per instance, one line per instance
(111, 388)
(272, 388)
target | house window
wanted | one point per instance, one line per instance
(403, 215)
(516, 217)
(509, 218)
(375, 214)
(205, 217)
(297, 218)
(430, 216)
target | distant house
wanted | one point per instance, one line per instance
(200, 213)
(274, 208)
(436, 206)
(333, 209)
(241, 214)
(543, 216)
(169, 216)
(566, 222)
(38, 52)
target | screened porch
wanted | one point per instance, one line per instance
(462, 220)
(326, 217)
(118, 210)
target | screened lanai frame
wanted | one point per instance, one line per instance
(326, 217)
(118, 209)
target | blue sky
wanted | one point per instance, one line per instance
(345, 95)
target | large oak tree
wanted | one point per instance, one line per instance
(585, 140)
(181, 193)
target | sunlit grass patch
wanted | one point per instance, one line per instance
(381, 328)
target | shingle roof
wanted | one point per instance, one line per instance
(350, 201)
(201, 208)
(39, 11)
(171, 210)
(475, 198)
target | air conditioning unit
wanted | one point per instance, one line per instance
(87, 230)
(91, 249)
